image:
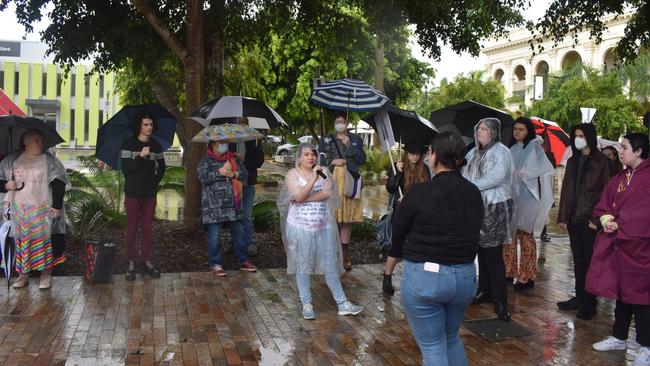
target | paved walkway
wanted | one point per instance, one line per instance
(249, 319)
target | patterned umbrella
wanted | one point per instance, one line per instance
(348, 95)
(7, 249)
(554, 136)
(227, 133)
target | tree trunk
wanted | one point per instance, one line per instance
(379, 64)
(194, 70)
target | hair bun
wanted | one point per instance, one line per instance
(461, 162)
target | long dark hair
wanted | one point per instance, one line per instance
(136, 124)
(530, 127)
(449, 150)
(589, 130)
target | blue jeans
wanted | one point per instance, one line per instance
(247, 205)
(435, 305)
(238, 243)
(333, 282)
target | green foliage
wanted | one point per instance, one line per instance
(585, 87)
(568, 18)
(173, 180)
(473, 87)
(365, 230)
(377, 165)
(265, 215)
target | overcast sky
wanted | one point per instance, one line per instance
(449, 66)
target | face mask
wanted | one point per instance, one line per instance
(222, 148)
(340, 127)
(580, 143)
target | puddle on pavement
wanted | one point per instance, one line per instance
(271, 357)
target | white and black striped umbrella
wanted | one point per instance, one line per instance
(259, 114)
(348, 95)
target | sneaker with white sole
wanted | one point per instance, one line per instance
(348, 308)
(642, 357)
(610, 343)
(308, 312)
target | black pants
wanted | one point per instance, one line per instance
(582, 246)
(492, 273)
(623, 318)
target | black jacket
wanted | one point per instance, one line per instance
(253, 159)
(142, 175)
(440, 221)
(397, 181)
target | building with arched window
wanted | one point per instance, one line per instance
(511, 61)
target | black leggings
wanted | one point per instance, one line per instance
(623, 318)
(492, 273)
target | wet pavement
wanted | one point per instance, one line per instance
(254, 318)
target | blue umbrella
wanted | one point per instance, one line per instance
(112, 134)
(348, 95)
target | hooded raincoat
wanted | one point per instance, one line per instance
(490, 168)
(533, 178)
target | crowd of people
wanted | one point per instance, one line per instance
(450, 207)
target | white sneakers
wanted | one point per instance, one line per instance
(308, 312)
(611, 343)
(348, 308)
(642, 357)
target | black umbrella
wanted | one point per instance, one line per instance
(112, 134)
(13, 127)
(408, 126)
(466, 115)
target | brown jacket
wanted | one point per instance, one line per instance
(595, 174)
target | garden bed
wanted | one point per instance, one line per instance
(177, 250)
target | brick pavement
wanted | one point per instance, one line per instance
(249, 319)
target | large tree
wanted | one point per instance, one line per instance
(584, 87)
(197, 36)
(568, 18)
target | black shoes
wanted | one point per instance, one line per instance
(571, 304)
(130, 275)
(501, 310)
(523, 286)
(481, 298)
(387, 284)
(150, 271)
(586, 313)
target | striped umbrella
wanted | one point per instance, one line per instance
(259, 114)
(348, 95)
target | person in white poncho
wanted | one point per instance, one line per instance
(533, 177)
(309, 230)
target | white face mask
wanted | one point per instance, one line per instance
(222, 148)
(340, 127)
(580, 143)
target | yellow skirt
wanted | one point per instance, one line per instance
(351, 210)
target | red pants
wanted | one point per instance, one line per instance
(139, 212)
(526, 270)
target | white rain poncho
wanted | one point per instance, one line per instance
(491, 170)
(309, 230)
(533, 174)
(37, 172)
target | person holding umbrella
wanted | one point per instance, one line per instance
(222, 173)
(344, 150)
(532, 203)
(35, 182)
(143, 166)
(490, 168)
(409, 172)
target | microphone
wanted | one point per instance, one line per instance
(320, 172)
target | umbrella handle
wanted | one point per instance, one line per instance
(22, 185)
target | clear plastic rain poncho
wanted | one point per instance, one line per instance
(309, 230)
(533, 176)
(491, 169)
(37, 172)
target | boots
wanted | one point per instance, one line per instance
(387, 284)
(22, 280)
(501, 310)
(45, 281)
(346, 259)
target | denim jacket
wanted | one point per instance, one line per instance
(354, 154)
